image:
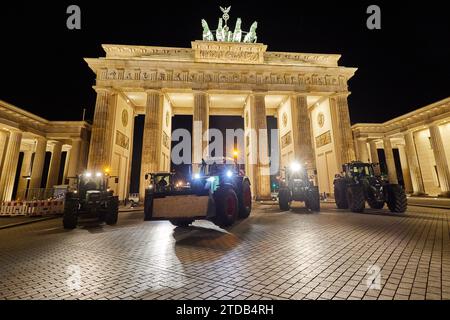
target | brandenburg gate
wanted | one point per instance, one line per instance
(307, 93)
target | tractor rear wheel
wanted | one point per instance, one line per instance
(245, 200)
(340, 196)
(313, 199)
(70, 217)
(181, 222)
(355, 198)
(284, 199)
(112, 212)
(397, 201)
(227, 207)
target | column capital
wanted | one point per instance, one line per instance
(259, 93)
(108, 90)
(153, 91)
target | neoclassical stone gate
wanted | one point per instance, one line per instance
(306, 92)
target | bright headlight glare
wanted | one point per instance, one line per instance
(98, 174)
(229, 174)
(295, 167)
(197, 176)
(88, 174)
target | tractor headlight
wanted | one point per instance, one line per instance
(229, 174)
(98, 174)
(88, 174)
(150, 186)
(196, 176)
(296, 167)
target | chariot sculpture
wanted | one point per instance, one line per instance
(223, 32)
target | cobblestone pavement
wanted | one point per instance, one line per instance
(271, 255)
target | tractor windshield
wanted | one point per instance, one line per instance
(91, 183)
(362, 170)
(161, 182)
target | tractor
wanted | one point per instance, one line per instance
(296, 186)
(219, 192)
(91, 198)
(358, 183)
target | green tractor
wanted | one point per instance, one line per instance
(296, 186)
(358, 183)
(91, 198)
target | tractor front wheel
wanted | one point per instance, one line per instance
(340, 195)
(227, 207)
(245, 200)
(70, 217)
(356, 199)
(397, 201)
(313, 199)
(284, 199)
(112, 212)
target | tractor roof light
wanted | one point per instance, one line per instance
(88, 174)
(296, 167)
(98, 174)
(235, 153)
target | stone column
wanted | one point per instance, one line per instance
(363, 153)
(25, 171)
(301, 130)
(38, 163)
(200, 126)
(102, 130)
(55, 164)
(390, 162)
(261, 170)
(414, 166)
(3, 145)
(374, 157)
(441, 160)
(8, 174)
(344, 146)
(151, 143)
(74, 159)
(405, 169)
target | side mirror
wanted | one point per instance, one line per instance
(116, 180)
(146, 176)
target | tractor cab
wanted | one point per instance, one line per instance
(160, 182)
(358, 169)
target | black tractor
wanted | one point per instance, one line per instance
(219, 192)
(358, 183)
(91, 198)
(296, 186)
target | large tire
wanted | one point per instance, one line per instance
(245, 200)
(227, 207)
(284, 199)
(340, 194)
(355, 198)
(112, 211)
(181, 222)
(70, 217)
(397, 201)
(313, 199)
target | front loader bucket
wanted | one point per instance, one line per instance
(178, 206)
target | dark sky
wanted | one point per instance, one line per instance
(404, 66)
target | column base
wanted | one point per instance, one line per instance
(445, 194)
(419, 194)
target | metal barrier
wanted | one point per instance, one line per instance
(32, 208)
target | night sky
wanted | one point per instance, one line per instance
(402, 67)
